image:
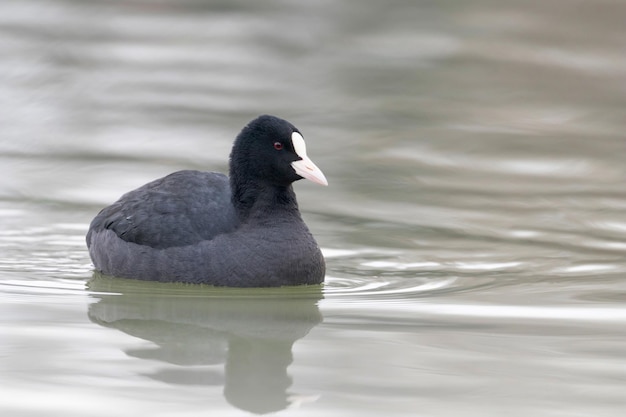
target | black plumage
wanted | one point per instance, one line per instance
(203, 227)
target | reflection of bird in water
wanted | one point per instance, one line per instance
(251, 331)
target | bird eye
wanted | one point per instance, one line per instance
(278, 146)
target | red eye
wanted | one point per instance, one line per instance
(278, 146)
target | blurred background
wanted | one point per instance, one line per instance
(474, 225)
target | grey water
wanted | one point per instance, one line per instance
(474, 226)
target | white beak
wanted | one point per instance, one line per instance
(305, 167)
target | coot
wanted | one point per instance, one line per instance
(203, 227)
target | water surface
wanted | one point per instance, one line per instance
(474, 227)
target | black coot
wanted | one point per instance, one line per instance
(202, 227)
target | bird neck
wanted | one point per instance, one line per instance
(254, 200)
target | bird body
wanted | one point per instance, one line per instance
(203, 227)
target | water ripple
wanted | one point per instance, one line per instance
(364, 286)
(471, 311)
